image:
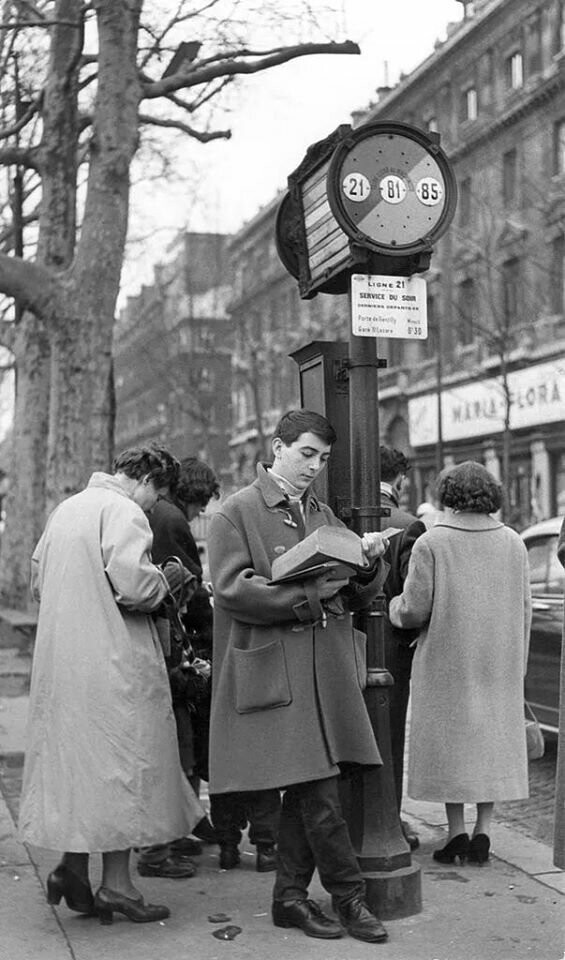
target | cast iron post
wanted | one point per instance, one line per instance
(392, 881)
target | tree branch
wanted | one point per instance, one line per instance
(33, 286)
(230, 65)
(18, 156)
(185, 128)
(24, 119)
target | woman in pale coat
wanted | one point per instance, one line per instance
(102, 771)
(468, 590)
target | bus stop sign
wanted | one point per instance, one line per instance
(391, 188)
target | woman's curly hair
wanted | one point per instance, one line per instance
(197, 482)
(469, 487)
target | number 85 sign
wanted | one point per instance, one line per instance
(391, 188)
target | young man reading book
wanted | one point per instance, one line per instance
(287, 704)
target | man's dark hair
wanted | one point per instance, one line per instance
(393, 462)
(469, 487)
(197, 482)
(152, 461)
(296, 422)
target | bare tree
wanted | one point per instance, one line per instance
(77, 131)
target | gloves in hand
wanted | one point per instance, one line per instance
(182, 583)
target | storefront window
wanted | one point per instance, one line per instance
(519, 496)
(559, 485)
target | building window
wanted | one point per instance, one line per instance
(511, 299)
(465, 202)
(557, 280)
(486, 73)
(395, 352)
(534, 45)
(559, 28)
(430, 345)
(469, 104)
(466, 309)
(509, 175)
(514, 71)
(559, 148)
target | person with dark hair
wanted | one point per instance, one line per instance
(287, 703)
(468, 593)
(102, 771)
(399, 651)
(172, 537)
(230, 813)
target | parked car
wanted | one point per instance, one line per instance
(547, 578)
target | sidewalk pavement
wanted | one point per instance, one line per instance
(512, 908)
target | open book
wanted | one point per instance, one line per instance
(334, 549)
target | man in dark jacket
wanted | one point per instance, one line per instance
(287, 702)
(398, 652)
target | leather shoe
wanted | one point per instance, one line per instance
(360, 922)
(170, 868)
(411, 838)
(306, 915)
(62, 882)
(266, 858)
(107, 902)
(229, 856)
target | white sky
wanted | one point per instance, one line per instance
(278, 114)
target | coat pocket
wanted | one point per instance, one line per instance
(261, 678)
(360, 650)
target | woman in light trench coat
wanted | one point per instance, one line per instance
(468, 590)
(102, 771)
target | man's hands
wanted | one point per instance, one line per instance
(374, 545)
(328, 587)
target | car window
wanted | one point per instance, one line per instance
(546, 573)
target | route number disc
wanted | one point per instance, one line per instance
(429, 191)
(356, 187)
(393, 189)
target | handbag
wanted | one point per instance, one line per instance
(534, 737)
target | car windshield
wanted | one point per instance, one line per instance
(546, 573)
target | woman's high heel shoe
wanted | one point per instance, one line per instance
(458, 847)
(107, 902)
(62, 882)
(479, 848)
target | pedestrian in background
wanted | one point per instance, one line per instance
(287, 704)
(399, 650)
(230, 812)
(468, 592)
(172, 537)
(102, 772)
(559, 830)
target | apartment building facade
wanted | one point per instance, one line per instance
(489, 381)
(172, 355)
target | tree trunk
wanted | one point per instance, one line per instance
(81, 369)
(25, 499)
(66, 376)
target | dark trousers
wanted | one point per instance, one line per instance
(313, 834)
(231, 812)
